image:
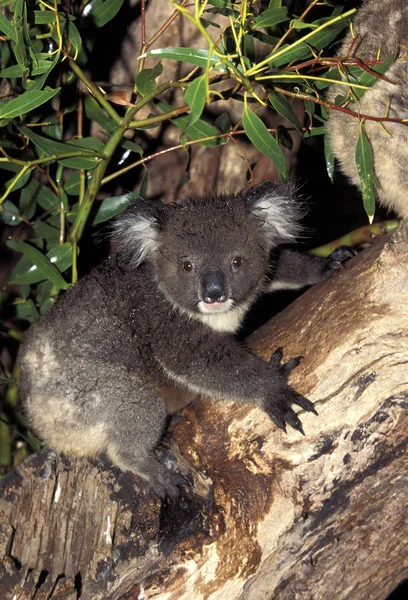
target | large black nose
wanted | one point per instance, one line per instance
(214, 287)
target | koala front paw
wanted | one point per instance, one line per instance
(279, 407)
(280, 411)
(337, 259)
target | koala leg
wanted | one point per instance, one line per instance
(132, 436)
(87, 407)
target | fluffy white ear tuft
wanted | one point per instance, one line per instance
(137, 232)
(278, 209)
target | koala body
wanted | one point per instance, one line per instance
(381, 27)
(162, 312)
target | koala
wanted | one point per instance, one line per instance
(161, 313)
(381, 30)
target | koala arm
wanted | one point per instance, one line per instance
(217, 366)
(294, 270)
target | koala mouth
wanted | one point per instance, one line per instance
(215, 307)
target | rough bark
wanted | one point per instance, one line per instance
(272, 515)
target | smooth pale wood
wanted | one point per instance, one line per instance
(275, 516)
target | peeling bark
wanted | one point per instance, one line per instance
(271, 515)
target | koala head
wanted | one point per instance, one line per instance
(210, 255)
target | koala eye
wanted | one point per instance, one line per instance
(237, 262)
(187, 266)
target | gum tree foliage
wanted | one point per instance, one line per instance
(51, 174)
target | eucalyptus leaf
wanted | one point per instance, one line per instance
(26, 310)
(282, 106)
(7, 28)
(110, 207)
(94, 112)
(195, 97)
(72, 186)
(194, 56)
(51, 147)
(106, 12)
(43, 264)
(264, 141)
(364, 163)
(9, 213)
(26, 102)
(271, 17)
(146, 81)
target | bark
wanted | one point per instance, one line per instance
(271, 515)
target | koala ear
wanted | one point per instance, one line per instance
(136, 230)
(278, 209)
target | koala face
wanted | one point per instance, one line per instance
(211, 259)
(210, 255)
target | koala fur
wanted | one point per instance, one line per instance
(382, 30)
(162, 312)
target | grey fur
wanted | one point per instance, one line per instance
(382, 26)
(91, 369)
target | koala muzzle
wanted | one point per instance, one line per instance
(213, 287)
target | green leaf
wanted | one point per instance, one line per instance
(364, 163)
(95, 113)
(299, 52)
(61, 256)
(106, 11)
(282, 106)
(73, 35)
(9, 213)
(262, 139)
(50, 147)
(47, 199)
(41, 17)
(110, 207)
(146, 81)
(28, 198)
(72, 186)
(25, 273)
(199, 129)
(42, 66)
(46, 232)
(26, 102)
(21, 181)
(220, 3)
(194, 56)
(195, 97)
(7, 28)
(27, 311)
(369, 80)
(43, 264)
(271, 17)
(132, 146)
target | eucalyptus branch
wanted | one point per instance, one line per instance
(95, 91)
(27, 165)
(97, 175)
(261, 66)
(291, 28)
(146, 159)
(157, 92)
(363, 235)
(352, 113)
(311, 77)
(158, 118)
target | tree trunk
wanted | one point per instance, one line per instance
(272, 515)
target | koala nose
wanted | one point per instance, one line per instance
(213, 287)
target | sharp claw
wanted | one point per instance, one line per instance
(277, 356)
(291, 364)
(280, 423)
(300, 428)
